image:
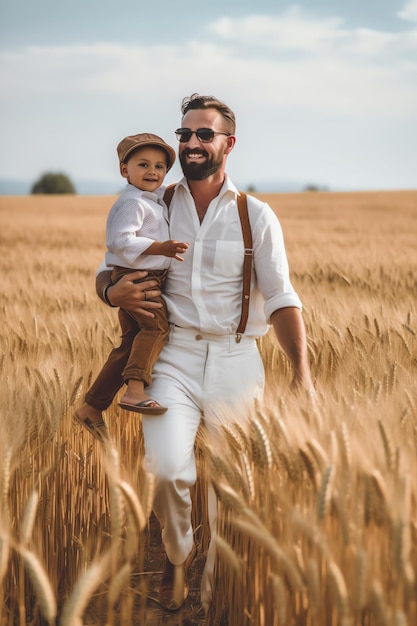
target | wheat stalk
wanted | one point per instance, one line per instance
(263, 538)
(118, 583)
(229, 555)
(279, 599)
(41, 584)
(324, 495)
(361, 570)
(149, 493)
(379, 607)
(399, 619)
(4, 554)
(313, 584)
(29, 517)
(5, 479)
(338, 585)
(388, 446)
(134, 504)
(83, 590)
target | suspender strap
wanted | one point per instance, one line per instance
(169, 192)
(242, 206)
(247, 262)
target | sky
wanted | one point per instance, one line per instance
(324, 91)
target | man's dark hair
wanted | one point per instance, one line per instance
(195, 101)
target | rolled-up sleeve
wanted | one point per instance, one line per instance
(271, 264)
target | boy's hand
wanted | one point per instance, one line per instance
(176, 248)
(170, 248)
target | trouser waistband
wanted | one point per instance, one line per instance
(190, 334)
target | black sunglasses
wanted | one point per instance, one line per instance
(205, 135)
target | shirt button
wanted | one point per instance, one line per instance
(198, 337)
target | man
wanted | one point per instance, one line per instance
(205, 364)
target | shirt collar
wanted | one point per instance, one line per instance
(152, 195)
(227, 186)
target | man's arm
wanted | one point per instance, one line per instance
(289, 328)
(127, 294)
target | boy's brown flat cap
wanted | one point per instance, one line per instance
(133, 142)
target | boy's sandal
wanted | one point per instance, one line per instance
(147, 407)
(99, 429)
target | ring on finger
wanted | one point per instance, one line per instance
(145, 294)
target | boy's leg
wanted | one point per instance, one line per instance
(146, 348)
(110, 379)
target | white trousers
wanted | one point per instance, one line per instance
(196, 374)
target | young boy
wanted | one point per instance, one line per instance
(137, 239)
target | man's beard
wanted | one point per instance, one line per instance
(200, 171)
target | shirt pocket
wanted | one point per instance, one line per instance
(228, 258)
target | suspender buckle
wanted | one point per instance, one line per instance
(248, 251)
(238, 337)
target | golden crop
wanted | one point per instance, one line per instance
(317, 500)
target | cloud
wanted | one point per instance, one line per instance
(409, 12)
(313, 73)
(293, 31)
(357, 70)
(296, 32)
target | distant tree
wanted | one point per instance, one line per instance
(251, 189)
(311, 187)
(53, 182)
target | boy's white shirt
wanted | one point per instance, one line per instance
(136, 220)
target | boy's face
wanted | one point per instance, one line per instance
(145, 168)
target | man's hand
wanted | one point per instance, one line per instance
(290, 331)
(128, 294)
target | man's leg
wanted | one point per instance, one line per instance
(169, 454)
(234, 378)
(191, 375)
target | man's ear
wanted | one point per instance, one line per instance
(123, 170)
(230, 141)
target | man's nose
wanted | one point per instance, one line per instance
(193, 142)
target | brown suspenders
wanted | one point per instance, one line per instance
(169, 192)
(242, 206)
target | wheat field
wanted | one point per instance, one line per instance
(317, 501)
